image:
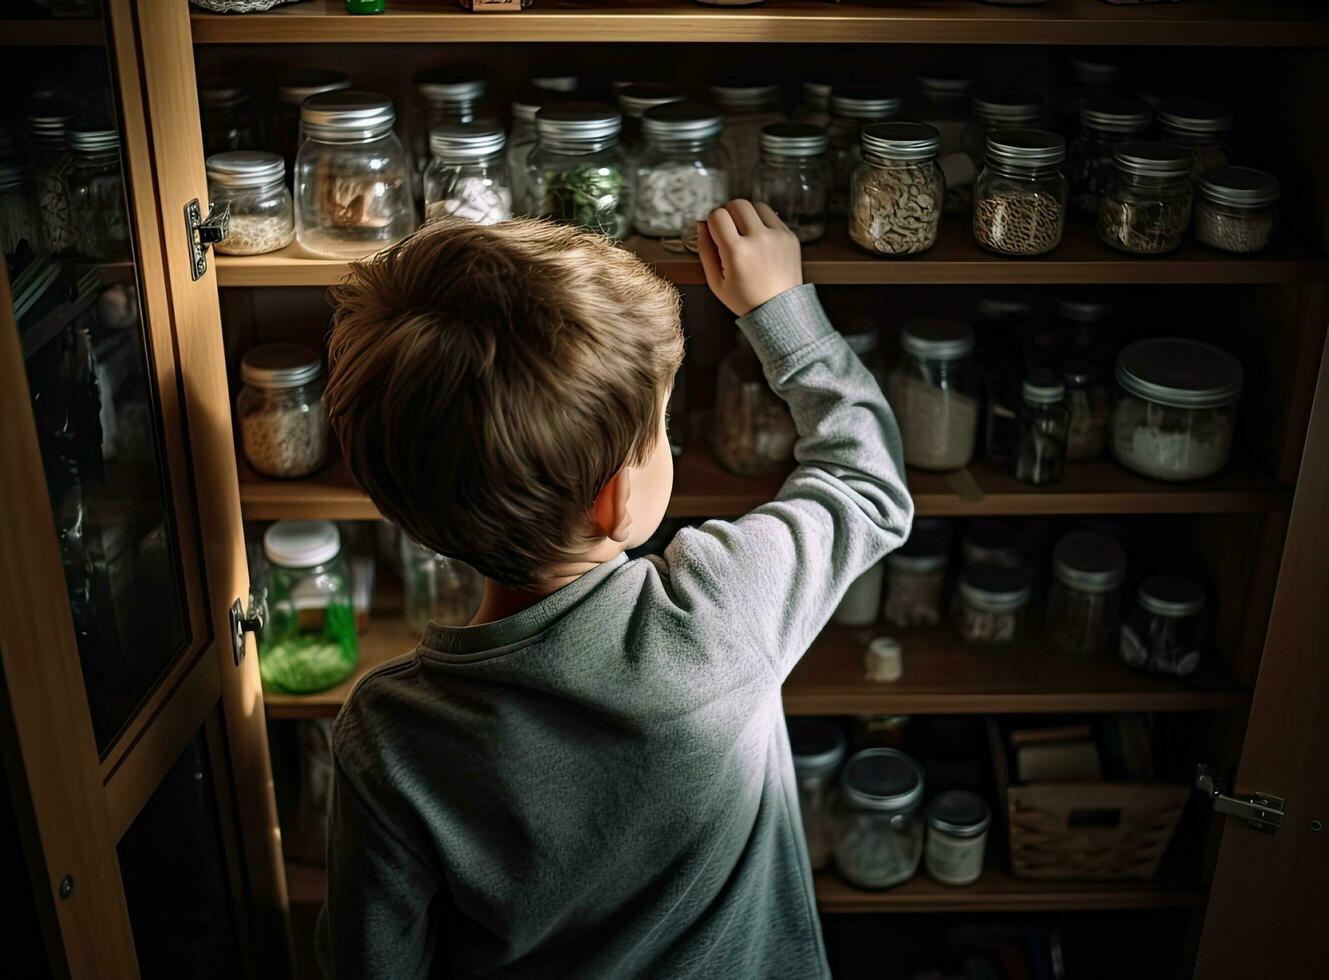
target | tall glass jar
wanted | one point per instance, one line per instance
(915, 575)
(1202, 129)
(682, 170)
(1146, 209)
(818, 749)
(294, 85)
(284, 429)
(990, 603)
(1105, 122)
(437, 589)
(1165, 632)
(1040, 457)
(20, 220)
(991, 110)
(852, 108)
(896, 200)
(230, 119)
(96, 192)
(521, 141)
(468, 176)
(754, 432)
(944, 104)
(1087, 402)
(1020, 196)
(814, 107)
(748, 108)
(443, 97)
(1236, 209)
(252, 183)
(352, 180)
(934, 392)
(50, 165)
(878, 833)
(578, 172)
(634, 100)
(1084, 613)
(792, 177)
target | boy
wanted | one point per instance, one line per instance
(593, 779)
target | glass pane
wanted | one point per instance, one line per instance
(68, 246)
(174, 873)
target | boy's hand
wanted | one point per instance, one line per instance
(748, 254)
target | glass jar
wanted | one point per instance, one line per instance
(852, 108)
(1200, 128)
(437, 589)
(468, 176)
(815, 106)
(294, 85)
(1165, 632)
(352, 181)
(990, 603)
(253, 184)
(443, 97)
(682, 170)
(96, 192)
(818, 749)
(862, 599)
(1087, 402)
(1105, 123)
(308, 642)
(635, 100)
(230, 120)
(792, 177)
(1020, 195)
(934, 392)
(878, 836)
(1040, 455)
(560, 84)
(879, 731)
(1146, 208)
(748, 109)
(864, 339)
(957, 838)
(754, 432)
(1176, 408)
(1083, 322)
(521, 141)
(988, 111)
(284, 429)
(992, 542)
(578, 173)
(1083, 613)
(20, 219)
(944, 104)
(896, 197)
(1236, 209)
(50, 166)
(915, 574)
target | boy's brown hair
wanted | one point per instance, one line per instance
(485, 384)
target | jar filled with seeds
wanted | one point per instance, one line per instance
(990, 603)
(1083, 614)
(1200, 128)
(1105, 123)
(1165, 632)
(352, 181)
(20, 219)
(578, 172)
(96, 192)
(50, 166)
(253, 184)
(988, 111)
(1146, 209)
(230, 120)
(748, 108)
(934, 392)
(443, 97)
(991, 542)
(293, 87)
(284, 429)
(944, 104)
(915, 574)
(818, 749)
(896, 201)
(1040, 458)
(468, 176)
(792, 177)
(1087, 402)
(682, 170)
(1236, 209)
(754, 432)
(815, 105)
(635, 100)
(437, 589)
(852, 108)
(958, 822)
(878, 833)
(1020, 196)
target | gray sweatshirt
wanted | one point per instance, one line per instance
(601, 785)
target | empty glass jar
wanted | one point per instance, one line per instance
(682, 170)
(792, 177)
(443, 97)
(852, 108)
(578, 173)
(252, 183)
(96, 193)
(438, 589)
(284, 429)
(1200, 128)
(293, 87)
(1146, 207)
(1105, 122)
(1083, 614)
(944, 104)
(896, 202)
(748, 108)
(990, 603)
(1236, 209)
(818, 749)
(1165, 632)
(878, 833)
(230, 120)
(1040, 456)
(915, 574)
(468, 176)
(754, 432)
(1020, 195)
(934, 392)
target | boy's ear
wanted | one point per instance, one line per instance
(610, 513)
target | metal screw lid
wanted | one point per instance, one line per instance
(1025, 148)
(1116, 115)
(89, 138)
(682, 120)
(348, 114)
(959, 813)
(245, 168)
(995, 587)
(297, 84)
(1178, 372)
(864, 102)
(564, 84)
(926, 549)
(578, 121)
(1171, 597)
(942, 86)
(1095, 74)
(901, 140)
(817, 746)
(1043, 387)
(793, 140)
(1145, 159)
(1004, 307)
(818, 91)
(985, 538)
(741, 94)
(526, 106)
(449, 86)
(937, 338)
(1084, 310)
(218, 92)
(634, 100)
(12, 174)
(48, 124)
(301, 544)
(1239, 187)
(1188, 116)
(1009, 109)
(882, 779)
(280, 366)
(1089, 562)
(466, 141)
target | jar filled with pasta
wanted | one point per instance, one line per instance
(1020, 195)
(896, 200)
(1236, 209)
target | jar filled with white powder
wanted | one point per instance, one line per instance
(958, 822)
(682, 170)
(878, 836)
(468, 176)
(934, 392)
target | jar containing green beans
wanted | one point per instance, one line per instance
(578, 174)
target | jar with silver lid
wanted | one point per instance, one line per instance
(915, 574)
(1200, 128)
(1176, 408)
(1087, 402)
(991, 542)
(878, 835)
(754, 432)
(443, 97)
(20, 219)
(578, 172)
(96, 192)
(1020, 195)
(682, 170)
(294, 85)
(990, 603)
(1040, 456)
(468, 176)
(1165, 632)
(352, 181)
(1084, 613)
(1236, 209)
(230, 120)
(852, 108)
(815, 106)
(896, 194)
(50, 165)
(1105, 122)
(792, 177)
(934, 392)
(748, 107)
(989, 110)
(1146, 207)
(634, 100)
(253, 184)
(818, 748)
(957, 837)
(944, 104)
(284, 430)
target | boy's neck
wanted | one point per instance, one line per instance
(502, 601)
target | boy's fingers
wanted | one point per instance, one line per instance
(710, 257)
(768, 216)
(722, 228)
(745, 216)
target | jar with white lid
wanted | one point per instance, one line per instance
(682, 170)
(1105, 122)
(989, 110)
(896, 192)
(284, 430)
(944, 104)
(990, 603)
(852, 108)
(934, 392)
(916, 574)
(818, 748)
(634, 101)
(748, 107)
(992, 542)
(878, 834)
(815, 105)
(252, 183)
(228, 116)
(1146, 208)
(1084, 604)
(96, 192)
(1202, 129)
(308, 643)
(1236, 209)
(1176, 408)
(443, 96)
(468, 175)
(352, 181)
(294, 85)
(1040, 455)
(957, 837)
(1020, 195)
(793, 178)
(1087, 403)
(1165, 633)
(754, 432)
(578, 172)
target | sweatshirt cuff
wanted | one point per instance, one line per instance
(786, 323)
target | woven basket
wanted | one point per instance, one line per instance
(239, 6)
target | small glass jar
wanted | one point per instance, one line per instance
(1105, 123)
(992, 542)
(1165, 632)
(468, 176)
(20, 219)
(792, 177)
(862, 600)
(878, 835)
(521, 141)
(990, 603)
(230, 120)
(293, 87)
(896, 198)
(934, 392)
(1087, 402)
(814, 107)
(754, 432)
(443, 97)
(253, 184)
(1084, 612)
(1176, 408)
(578, 173)
(284, 429)
(1202, 129)
(748, 109)
(915, 575)
(681, 170)
(957, 838)
(852, 108)
(308, 643)
(96, 192)
(437, 589)
(988, 111)
(1040, 456)
(352, 181)
(818, 749)
(944, 104)
(635, 100)
(1020, 195)
(50, 166)
(1236, 209)
(1146, 208)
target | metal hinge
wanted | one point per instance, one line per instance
(203, 232)
(244, 621)
(1262, 811)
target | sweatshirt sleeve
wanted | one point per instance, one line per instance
(776, 575)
